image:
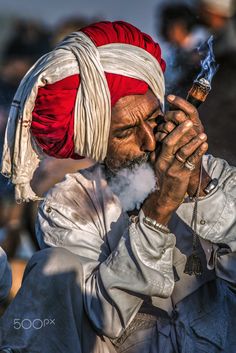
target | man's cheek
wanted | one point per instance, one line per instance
(120, 152)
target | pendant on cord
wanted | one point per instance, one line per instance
(193, 265)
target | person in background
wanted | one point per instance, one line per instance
(219, 19)
(180, 28)
(178, 23)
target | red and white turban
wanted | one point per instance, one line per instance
(63, 104)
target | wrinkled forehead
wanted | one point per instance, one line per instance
(130, 109)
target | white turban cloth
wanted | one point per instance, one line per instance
(77, 54)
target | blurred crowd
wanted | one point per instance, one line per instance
(182, 28)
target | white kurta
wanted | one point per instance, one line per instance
(124, 262)
(106, 281)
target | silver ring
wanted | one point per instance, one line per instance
(180, 159)
(189, 165)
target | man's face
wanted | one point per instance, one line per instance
(131, 138)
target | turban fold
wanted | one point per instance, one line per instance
(63, 104)
(53, 115)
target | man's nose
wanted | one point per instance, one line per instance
(148, 142)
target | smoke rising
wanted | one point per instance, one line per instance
(132, 186)
(208, 62)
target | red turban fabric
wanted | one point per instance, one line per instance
(53, 115)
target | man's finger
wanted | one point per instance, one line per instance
(160, 136)
(175, 140)
(197, 155)
(176, 116)
(163, 130)
(166, 127)
(194, 158)
(182, 104)
(187, 150)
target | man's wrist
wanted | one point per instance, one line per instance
(158, 212)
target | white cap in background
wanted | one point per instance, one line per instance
(225, 8)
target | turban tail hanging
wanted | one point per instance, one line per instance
(76, 55)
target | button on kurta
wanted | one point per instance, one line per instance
(48, 209)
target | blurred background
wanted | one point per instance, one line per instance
(30, 29)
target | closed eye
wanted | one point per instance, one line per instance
(125, 133)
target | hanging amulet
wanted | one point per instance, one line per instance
(193, 265)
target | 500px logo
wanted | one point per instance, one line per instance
(37, 324)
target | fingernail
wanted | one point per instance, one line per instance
(171, 97)
(202, 136)
(188, 123)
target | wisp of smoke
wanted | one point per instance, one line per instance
(132, 186)
(208, 62)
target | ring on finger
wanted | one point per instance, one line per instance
(180, 159)
(189, 165)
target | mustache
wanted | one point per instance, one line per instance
(137, 161)
(129, 164)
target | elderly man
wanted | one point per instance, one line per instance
(120, 273)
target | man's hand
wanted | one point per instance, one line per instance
(182, 111)
(181, 134)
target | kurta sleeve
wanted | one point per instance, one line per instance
(115, 280)
(216, 219)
